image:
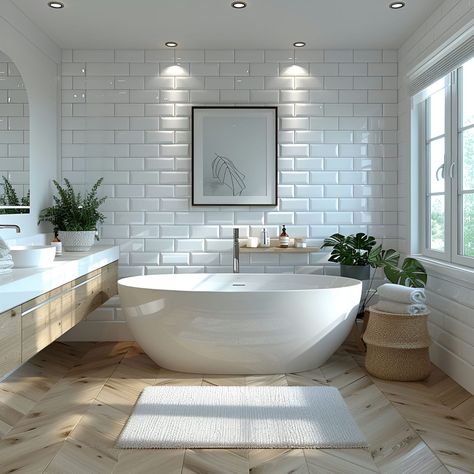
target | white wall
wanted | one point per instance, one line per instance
(450, 292)
(126, 116)
(36, 58)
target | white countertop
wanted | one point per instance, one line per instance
(23, 284)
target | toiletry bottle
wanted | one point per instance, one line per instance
(264, 238)
(284, 238)
(57, 243)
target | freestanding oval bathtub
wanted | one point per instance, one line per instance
(239, 323)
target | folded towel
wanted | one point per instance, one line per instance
(4, 249)
(3, 271)
(401, 294)
(6, 267)
(387, 306)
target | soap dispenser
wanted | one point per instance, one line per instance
(284, 238)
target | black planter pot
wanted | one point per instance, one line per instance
(357, 272)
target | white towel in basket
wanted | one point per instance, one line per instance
(387, 306)
(401, 294)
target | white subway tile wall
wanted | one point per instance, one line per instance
(127, 117)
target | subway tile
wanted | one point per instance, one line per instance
(129, 55)
(93, 55)
(107, 69)
(205, 97)
(324, 97)
(174, 123)
(237, 69)
(234, 97)
(351, 69)
(155, 82)
(294, 123)
(338, 55)
(294, 150)
(264, 69)
(264, 97)
(249, 56)
(199, 69)
(129, 110)
(189, 83)
(383, 69)
(219, 56)
(219, 83)
(144, 97)
(294, 177)
(251, 83)
(308, 191)
(294, 96)
(311, 164)
(174, 69)
(367, 55)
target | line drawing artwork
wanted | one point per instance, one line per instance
(224, 170)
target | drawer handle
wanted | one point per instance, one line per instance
(14, 313)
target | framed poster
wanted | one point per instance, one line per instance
(234, 156)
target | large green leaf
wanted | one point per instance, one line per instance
(412, 273)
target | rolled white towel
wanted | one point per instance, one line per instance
(387, 306)
(401, 294)
(4, 248)
(3, 271)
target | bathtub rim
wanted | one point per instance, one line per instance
(350, 282)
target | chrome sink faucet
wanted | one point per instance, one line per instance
(11, 226)
(236, 252)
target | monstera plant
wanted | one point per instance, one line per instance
(358, 253)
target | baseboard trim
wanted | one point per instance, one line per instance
(458, 369)
(98, 331)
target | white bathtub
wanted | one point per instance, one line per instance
(242, 323)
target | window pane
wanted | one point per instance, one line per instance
(468, 159)
(436, 164)
(436, 114)
(468, 224)
(467, 100)
(437, 223)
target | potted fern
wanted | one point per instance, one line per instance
(75, 217)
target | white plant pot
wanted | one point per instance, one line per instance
(77, 241)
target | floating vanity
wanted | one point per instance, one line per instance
(39, 305)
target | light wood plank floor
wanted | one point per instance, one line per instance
(63, 410)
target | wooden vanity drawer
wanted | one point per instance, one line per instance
(35, 331)
(10, 340)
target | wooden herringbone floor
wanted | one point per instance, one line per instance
(63, 410)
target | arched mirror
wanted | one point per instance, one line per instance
(14, 140)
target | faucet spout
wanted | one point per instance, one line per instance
(11, 226)
(236, 252)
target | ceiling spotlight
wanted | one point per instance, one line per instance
(239, 5)
(56, 5)
(397, 5)
(171, 44)
(299, 44)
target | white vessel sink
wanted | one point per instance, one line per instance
(27, 256)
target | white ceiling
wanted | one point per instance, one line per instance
(196, 24)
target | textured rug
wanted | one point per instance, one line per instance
(241, 417)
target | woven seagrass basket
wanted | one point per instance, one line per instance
(397, 346)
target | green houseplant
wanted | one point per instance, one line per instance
(361, 251)
(75, 216)
(10, 198)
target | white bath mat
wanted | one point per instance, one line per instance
(241, 417)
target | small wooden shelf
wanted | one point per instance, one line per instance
(275, 249)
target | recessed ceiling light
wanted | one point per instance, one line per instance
(56, 5)
(299, 44)
(239, 5)
(171, 44)
(397, 5)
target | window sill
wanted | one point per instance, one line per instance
(461, 275)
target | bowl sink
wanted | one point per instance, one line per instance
(28, 256)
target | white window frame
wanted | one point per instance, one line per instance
(452, 172)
